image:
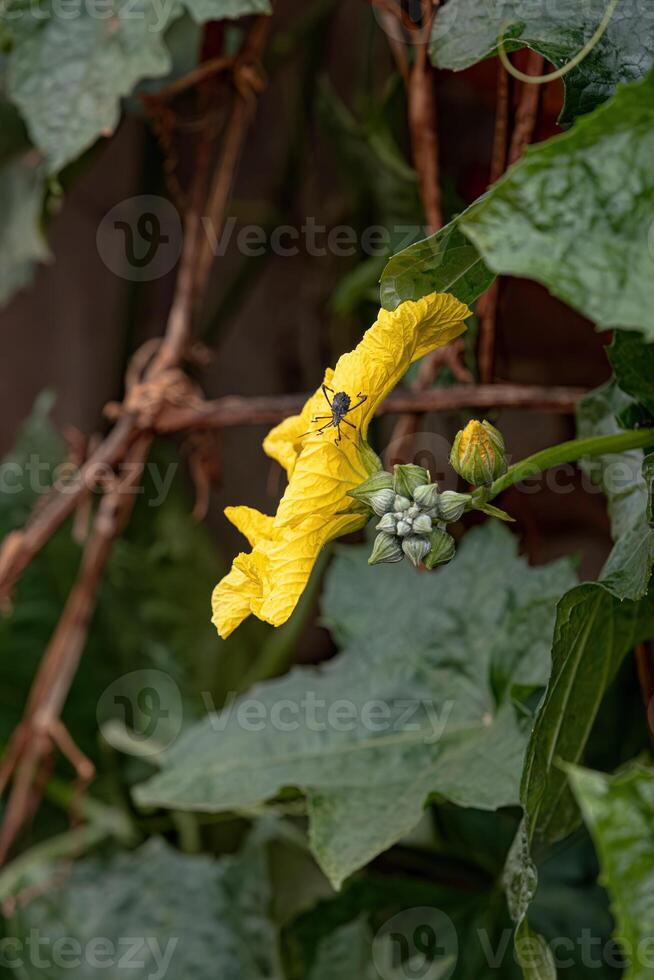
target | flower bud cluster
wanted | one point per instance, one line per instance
(413, 514)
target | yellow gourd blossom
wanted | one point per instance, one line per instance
(269, 580)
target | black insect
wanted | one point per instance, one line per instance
(340, 406)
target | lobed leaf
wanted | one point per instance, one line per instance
(619, 811)
(466, 31)
(577, 213)
(411, 647)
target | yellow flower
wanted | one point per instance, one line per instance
(315, 507)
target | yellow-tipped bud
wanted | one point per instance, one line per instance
(478, 453)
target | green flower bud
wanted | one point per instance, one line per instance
(408, 477)
(401, 503)
(441, 548)
(451, 505)
(385, 549)
(415, 548)
(376, 492)
(426, 495)
(404, 528)
(422, 524)
(478, 453)
(388, 523)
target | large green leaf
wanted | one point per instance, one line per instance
(192, 916)
(619, 812)
(22, 243)
(577, 212)
(446, 262)
(465, 31)
(405, 711)
(628, 569)
(594, 631)
(68, 71)
(633, 366)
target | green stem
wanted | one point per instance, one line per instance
(566, 452)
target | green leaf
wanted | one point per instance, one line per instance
(446, 262)
(619, 812)
(67, 76)
(594, 631)
(627, 571)
(493, 511)
(68, 73)
(633, 366)
(577, 212)
(466, 31)
(22, 243)
(190, 914)
(405, 711)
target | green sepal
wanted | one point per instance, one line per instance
(494, 512)
(427, 495)
(408, 477)
(442, 548)
(376, 492)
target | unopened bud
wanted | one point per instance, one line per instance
(426, 495)
(401, 503)
(376, 492)
(478, 453)
(415, 548)
(422, 524)
(388, 523)
(385, 549)
(451, 505)
(404, 528)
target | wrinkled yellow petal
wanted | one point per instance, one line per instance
(232, 598)
(391, 345)
(315, 507)
(252, 524)
(284, 442)
(373, 368)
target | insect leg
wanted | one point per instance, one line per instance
(351, 424)
(325, 389)
(362, 399)
(312, 431)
